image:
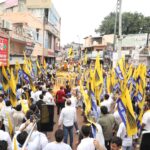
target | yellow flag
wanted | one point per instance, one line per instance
(38, 67)
(86, 99)
(5, 79)
(27, 71)
(91, 80)
(17, 67)
(44, 64)
(85, 59)
(25, 107)
(108, 83)
(10, 127)
(98, 72)
(12, 85)
(98, 92)
(130, 119)
(30, 65)
(70, 53)
(15, 143)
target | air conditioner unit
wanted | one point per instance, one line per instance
(6, 25)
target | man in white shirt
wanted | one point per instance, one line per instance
(146, 119)
(126, 140)
(48, 98)
(37, 94)
(19, 92)
(7, 112)
(58, 144)
(117, 117)
(108, 101)
(67, 118)
(88, 143)
(4, 135)
(73, 98)
(37, 140)
(18, 117)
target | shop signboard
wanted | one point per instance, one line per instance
(3, 51)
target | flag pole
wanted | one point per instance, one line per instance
(28, 138)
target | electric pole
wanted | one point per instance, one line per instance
(118, 18)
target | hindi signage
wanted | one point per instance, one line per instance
(3, 51)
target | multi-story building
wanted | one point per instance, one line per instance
(102, 45)
(135, 48)
(35, 29)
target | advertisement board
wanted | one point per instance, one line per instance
(38, 3)
(11, 3)
(3, 51)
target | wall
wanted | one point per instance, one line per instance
(88, 41)
(134, 40)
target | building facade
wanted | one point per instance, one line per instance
(102, 45)
(34, 30)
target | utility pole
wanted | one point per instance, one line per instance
(118, 18)
(147, 41)
(120, 30)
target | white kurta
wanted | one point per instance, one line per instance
(57, 146)
(86, 144)
(6, 137)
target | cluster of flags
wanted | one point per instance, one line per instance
(24, 74)
(20, 74)
(94, 87)
(71, 55)
(130, 82)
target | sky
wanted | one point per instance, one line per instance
(80, 18)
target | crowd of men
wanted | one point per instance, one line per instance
(106, 132)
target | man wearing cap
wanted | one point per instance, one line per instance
(67, 118)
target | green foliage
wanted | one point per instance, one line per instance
(132, 23)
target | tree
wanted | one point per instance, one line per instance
(131, 23)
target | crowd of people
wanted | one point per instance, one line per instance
(106, 131)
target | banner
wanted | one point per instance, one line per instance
(3, 51)
(38, 3)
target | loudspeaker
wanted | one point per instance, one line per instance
(46, 122)
(145, 141)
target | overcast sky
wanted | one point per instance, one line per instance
(81, 17)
